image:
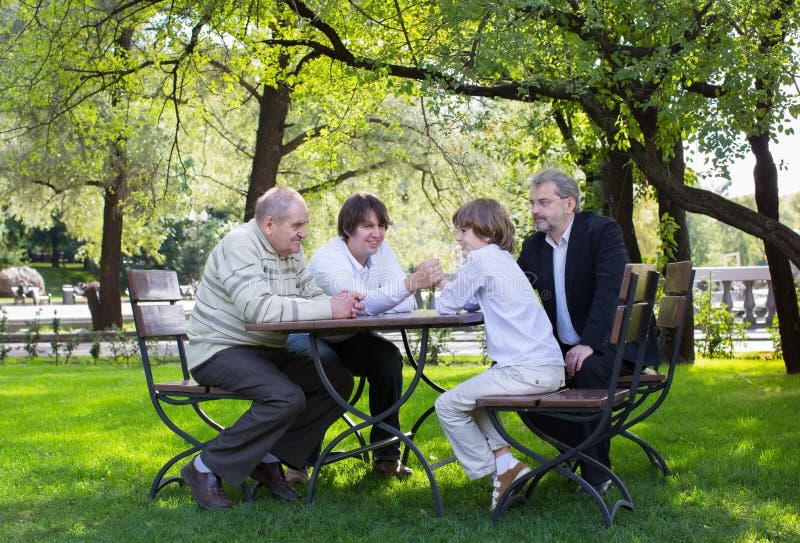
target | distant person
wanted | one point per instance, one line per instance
(256, 274)
(360, 259)
(519, 340)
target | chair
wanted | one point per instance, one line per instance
(157, 315)
(153, 296)
(673, 308)
(603, 408)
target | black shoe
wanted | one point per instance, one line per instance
(206, 487)
(270, 474)
(600, 488)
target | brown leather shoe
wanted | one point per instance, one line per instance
(206, 487)
(270, 474)
(299, 476)
(395, 468)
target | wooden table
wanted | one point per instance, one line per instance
(422, 320)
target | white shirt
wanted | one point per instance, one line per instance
(566, 332)
(381, 281)
(518, 331)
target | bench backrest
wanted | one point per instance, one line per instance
(643, 294)
(673, 309)
(157, 315)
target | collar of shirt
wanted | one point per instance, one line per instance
(564, 241)
(355, 264)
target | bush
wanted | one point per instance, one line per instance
(720, 329)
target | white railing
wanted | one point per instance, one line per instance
(746, 290)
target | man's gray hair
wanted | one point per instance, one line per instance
(275, 203)
(564, 183)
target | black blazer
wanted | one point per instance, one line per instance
(596, 258)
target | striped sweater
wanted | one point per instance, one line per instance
(245, 281)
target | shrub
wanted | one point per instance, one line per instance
(718, 326)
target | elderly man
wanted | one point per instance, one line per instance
(257, 274)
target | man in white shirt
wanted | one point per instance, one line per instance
(361, 259)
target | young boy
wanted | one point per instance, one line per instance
(526, 358)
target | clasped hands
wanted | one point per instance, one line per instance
(347, 304)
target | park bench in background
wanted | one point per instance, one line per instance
(24, 291)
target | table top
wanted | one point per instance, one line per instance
(390, 321)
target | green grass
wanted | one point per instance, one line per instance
(66, 274)
(81, 444)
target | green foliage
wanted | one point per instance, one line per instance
(10, 254)
(718, 327)
(667, 227)
(4, 350)
(438, 344)
(775, 337)
(32, 336)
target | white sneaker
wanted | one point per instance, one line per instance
(296, 475)
(502, 482)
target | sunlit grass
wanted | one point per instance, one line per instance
(80, 445)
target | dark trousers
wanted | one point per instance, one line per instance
(289, 414)
(594, 373)
(375, 358)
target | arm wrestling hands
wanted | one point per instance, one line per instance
(348, 304)
(427, 275)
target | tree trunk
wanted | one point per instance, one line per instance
(273, 110)
(765, 175)
(110, 305)
(109, 309)
(617, 177)
(54, 235)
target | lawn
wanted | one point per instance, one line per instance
(81, 444)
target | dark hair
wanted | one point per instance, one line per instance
(487, 219)
(354, 212)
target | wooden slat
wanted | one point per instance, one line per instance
(153, 285)
(221, 391)
(581, 398)
(678, 278)
(639, 319)
(616, 328)
(160, 320)
(670, 311)
(648, 375)
(188, 386)
(511, 400)
(639, 269)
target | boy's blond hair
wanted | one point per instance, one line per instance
(487, 219)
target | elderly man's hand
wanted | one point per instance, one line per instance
(346, 304)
